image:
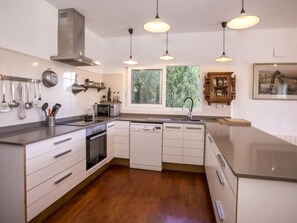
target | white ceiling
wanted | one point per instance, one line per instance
(112, 18)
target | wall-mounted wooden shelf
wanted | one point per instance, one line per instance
(95, 87)
(219, 87)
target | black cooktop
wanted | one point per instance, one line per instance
(80, 122)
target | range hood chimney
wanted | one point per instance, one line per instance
(71, 39)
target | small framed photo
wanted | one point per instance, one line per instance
(275, 81)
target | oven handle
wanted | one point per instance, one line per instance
(96, 136)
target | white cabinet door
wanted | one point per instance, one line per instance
(121, 139)
(110, 140)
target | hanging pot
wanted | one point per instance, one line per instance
(49, 78)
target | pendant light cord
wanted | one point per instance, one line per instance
(130, 32)
(242, 10)
(157, 9)
(224, 27)
(167, 42)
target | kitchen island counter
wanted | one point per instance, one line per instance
(252, 153)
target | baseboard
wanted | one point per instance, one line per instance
(183, 167)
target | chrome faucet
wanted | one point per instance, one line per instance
(190, 108)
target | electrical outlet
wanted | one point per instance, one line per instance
(220, 106)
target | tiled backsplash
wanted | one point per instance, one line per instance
(20, 65)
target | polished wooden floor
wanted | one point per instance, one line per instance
(128, 195)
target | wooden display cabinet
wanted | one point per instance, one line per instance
(219, 87)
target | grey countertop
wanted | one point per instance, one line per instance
(30, 133)
(253, 153)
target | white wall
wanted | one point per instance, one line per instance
(29, 30)
(246, 47)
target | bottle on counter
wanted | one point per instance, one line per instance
(118, 97)
(109, 95)
(114, 97)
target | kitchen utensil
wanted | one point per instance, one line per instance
(77, 88)
(49, 78)
(55, 109)
(13, 103)
(35, 99)
(21, 111)
(44, 107)
(49, 112)
(40, 103)
(28, 104)
(4, 107)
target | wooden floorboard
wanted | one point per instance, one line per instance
(128, 195)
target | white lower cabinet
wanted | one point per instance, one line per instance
(110, 141)
(183, 143)
(222, 196)
(53, 167)
(121, 139)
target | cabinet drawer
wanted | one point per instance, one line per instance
(193, 128)
(193, 152)
(173, 127)
(194, 160)
(51, 197)
(172, 151)
(121, 139)
(110, 125)
(121, 147)
(122, 124)
(172, 158)
(121, 132)
(44, 174)
(193, 136)
(38, 148)
(227, 171)
(54, 182)
(172, 135)
(172, 142)
(44, 160)
(193, 144)
(121, 154)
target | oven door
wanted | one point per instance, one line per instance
(96, 149)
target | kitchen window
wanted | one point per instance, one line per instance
(181, 82)
(164, 88)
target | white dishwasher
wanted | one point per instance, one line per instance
(146, 146)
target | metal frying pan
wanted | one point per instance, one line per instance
(49, 78)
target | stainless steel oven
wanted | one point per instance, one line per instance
(96, 145)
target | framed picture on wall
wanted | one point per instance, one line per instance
(275, 81)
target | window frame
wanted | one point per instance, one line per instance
(163, 79)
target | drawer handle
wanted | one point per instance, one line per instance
(110, 126)
(172, 127)
(221, 179)
(63, 140)
(62, 178)
(62, 153)
(193, 128)
(221, 160)
(210, 139)
(219, 210)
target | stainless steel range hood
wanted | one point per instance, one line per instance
(71, 39)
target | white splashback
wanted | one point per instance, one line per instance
(21, 65)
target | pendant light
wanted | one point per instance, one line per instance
(157, 25)
(243, 21)
(130, 61)
(223, 58)
(167, 56)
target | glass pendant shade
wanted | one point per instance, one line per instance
(224, 58)
(167, 56)
(157, 25)
(130, 61)
(243, 21)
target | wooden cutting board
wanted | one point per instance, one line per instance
(234, 121)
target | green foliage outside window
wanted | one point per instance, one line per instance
(181, 82)
(145, 86)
